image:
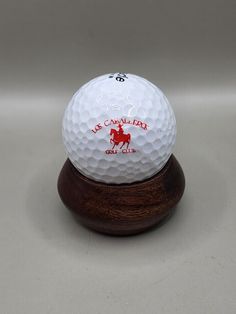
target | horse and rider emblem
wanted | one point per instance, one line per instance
(119, 140)
(119, 137)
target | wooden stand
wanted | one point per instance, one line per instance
(122, 209)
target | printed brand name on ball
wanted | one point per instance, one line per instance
(122, 121)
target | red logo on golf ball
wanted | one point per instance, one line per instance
(120, 140)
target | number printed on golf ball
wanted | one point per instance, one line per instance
(119, 128)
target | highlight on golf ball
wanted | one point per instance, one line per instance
(119, 128)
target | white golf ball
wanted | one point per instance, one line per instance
(119, 128)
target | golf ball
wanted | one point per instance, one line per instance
(119, 128)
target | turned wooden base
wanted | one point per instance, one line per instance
(122, 209)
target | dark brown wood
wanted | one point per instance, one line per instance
(122, 209)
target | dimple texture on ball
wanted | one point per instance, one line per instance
(107, 113)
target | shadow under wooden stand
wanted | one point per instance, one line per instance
(122, 209)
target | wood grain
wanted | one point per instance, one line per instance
(122, 209)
